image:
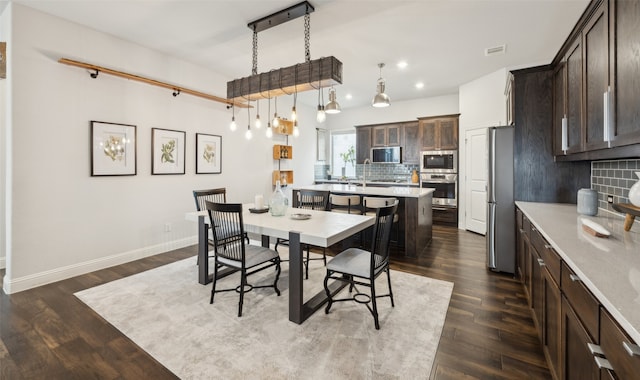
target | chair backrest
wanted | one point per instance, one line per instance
(228, 233)
(348, 203)
(212, 195)
(382, 236)
(313, 200)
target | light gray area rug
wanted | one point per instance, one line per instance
(167, 313)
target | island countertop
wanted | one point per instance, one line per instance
(393, 191)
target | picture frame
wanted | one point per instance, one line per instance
(208, 154)
(167, 151)
(113, 149)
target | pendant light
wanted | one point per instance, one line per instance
(381, 99)
(248, 135)
(269, 132)
(296, 131)
(321, 115)
(333, 106)
(233, 125)
(258, 122)
(275, 114)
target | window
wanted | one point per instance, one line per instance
(341, 142)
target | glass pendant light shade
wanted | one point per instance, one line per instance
(333, 106)
(269, 132)
(248, 135)
(294, 115)
(258, 123)
(296, 131)
(233, 126)
(321, 116)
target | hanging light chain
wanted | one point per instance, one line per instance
(307, 32)
(254, 68)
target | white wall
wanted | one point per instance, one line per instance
(397, 111)
(66, 222)
(482, 105)
(5, 115)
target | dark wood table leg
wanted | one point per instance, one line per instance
(203, 252)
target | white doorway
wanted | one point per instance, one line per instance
(476, 180)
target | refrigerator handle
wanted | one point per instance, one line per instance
(491, 237)
(492, 167)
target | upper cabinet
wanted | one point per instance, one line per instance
(595, 84)
(438, 133)
(411, 149)
(386, 135)
(363, 143)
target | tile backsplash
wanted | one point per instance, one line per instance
(376, 171)
(613, 178)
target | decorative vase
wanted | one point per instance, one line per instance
(344, 172)
(414, 177)
(279, 202)
(634, 192)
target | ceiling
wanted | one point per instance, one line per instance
(442, 41)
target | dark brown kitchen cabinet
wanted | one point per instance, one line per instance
(537, 287)
(574, 98)
(595, 40)
(559, 106)
(438, 133)
(552, 323)
(625, 71)
(577, 360)
(363, 144)
(386, 135)
(410, 150)
(618, 348)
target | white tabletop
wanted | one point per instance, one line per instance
(397, 191)
(610, 267)
(323, 229)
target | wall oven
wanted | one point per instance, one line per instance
(445, 188)
(439, 161)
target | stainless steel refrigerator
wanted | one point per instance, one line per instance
(501, 221)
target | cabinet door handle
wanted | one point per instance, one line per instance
(574, 278)
(521, 231)
(565, 139)
(548, 246)
(541, 262)
(607, 117)
(602, 363)
(632, 349)
(595, 349)
(534, 229)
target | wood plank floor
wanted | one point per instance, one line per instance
(488, 333)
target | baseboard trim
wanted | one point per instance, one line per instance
(3, 262)
(31, 281)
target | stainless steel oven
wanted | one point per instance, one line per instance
(445, 188)
(439, 161)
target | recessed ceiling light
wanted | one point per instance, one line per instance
(419, 85)
(402, 64)
(348, 96)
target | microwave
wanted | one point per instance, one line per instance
(389, 155)
(439, 161)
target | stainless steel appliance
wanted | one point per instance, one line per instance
(445, 187)
(501, 210)
(389, 155)
(439, 161)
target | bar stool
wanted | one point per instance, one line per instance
(349, 204)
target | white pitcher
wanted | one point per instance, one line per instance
(634, 192)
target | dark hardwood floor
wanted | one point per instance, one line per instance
(47, 333)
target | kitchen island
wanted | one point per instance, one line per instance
(414, 230)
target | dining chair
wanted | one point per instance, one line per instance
(218, 195)
(232, 252)
(357, 266)
(310, 200)
(371, 204)
(349, 204)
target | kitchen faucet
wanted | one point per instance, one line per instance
(364, 172)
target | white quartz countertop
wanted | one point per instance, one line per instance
(393, 191)
(608, 267)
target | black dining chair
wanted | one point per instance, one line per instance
(232, 252)
(310, 200)
(357, 266)
(218, 195)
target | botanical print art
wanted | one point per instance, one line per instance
(168, 150)
(208, 154)
(113, 149)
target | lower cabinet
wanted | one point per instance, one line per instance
(580, 338)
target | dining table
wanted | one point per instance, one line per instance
(300, 227)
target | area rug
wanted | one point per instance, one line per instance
(167, 313)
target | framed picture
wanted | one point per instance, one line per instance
(113, 149)
(208, 154)
(167, 151)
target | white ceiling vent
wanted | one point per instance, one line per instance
(496, 50)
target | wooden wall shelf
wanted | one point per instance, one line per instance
(284, 176)
(282, 152)
(285, 127)
(153, 82)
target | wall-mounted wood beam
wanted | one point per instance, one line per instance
(153, 82)
(3, 60)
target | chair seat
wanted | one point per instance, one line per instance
(353, 261)
(373, 213)
(254, 255)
